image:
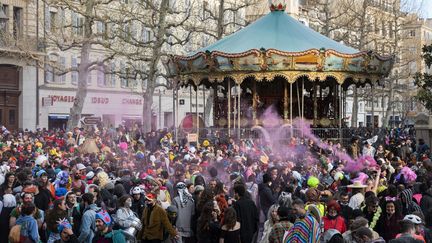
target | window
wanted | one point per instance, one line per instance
(204, 10)
(145, 34)
(49, 73)
(74, 74)
(412, 33)
(53, 20)
(100, 27)
(12, 118)
(101, 81)
(89, 77)
(413, 67)
(383, 28)
(123, 79)
(377, 29)
(77, 24)
(172, 5)
(61, 66)
(17, 22)
(4, 26)
(133, 30)
(113, 75)
(390, 25)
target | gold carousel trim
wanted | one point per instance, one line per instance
(290, 76)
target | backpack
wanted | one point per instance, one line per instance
(15, 235)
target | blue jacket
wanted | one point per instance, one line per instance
(29, 227)
(88, 224)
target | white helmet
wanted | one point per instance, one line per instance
(136, 190)
(413, 218)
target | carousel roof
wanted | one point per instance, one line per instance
(278, 31)
(277, 45)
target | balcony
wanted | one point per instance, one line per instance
(23, 45)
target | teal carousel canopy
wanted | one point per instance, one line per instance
(277, 45)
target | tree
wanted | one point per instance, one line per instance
(166, 27)
(220, 21)
(424, 80)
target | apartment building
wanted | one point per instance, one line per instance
(18, 71)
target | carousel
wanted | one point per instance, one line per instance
(277, 62)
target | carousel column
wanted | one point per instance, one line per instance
(302, 105)
(291, 105)
(254, 103)
(315, 104)
(373, 107)
(204, 111)
(215, 105)
(286, 101)
(238, 111)
(197, 115)
(229, 108)
(302, 100)
(340, 112)
(190, 99)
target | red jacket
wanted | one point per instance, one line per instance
(338, 224)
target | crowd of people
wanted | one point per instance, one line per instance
(121, 185)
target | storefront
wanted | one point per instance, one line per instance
(113, 108)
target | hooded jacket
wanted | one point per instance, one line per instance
(409, 206)
(29, 227)
(88, 224)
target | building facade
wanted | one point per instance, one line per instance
(18, 72)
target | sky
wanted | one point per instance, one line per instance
(427, 8)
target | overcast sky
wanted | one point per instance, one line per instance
(427, 8)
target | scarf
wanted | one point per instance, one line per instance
(184, 194)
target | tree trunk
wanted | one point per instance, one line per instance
(354, 107)
(147, 112)
(83, 70)
(220, 33)
(389, 105)
(81, 93)
(149, 89)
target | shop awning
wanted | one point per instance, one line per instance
(58, 116)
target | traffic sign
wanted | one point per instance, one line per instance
(92, 120)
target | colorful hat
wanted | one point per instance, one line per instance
(150, 196)
(357, 184)
(60, 192)
(63, 224)
(40, 173)
(313, 182)
(104, 216)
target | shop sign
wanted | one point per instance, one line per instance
(62, 98)
(99, 100)
(192, 137)
(132, 101)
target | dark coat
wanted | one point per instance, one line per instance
(247, 215)
(266, 197)
(426, 201)
(388, 228)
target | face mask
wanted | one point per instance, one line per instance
(77, 177)
(128, 204)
